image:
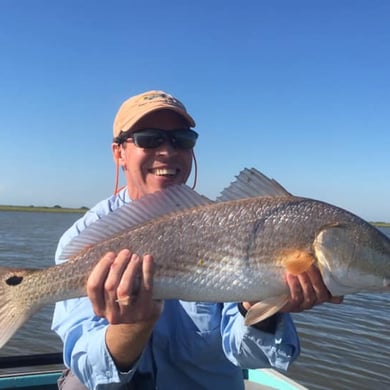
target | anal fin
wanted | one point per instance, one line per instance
(265, 309)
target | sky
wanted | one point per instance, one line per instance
(298, 89)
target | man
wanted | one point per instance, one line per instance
(111, 343)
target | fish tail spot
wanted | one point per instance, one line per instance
(14, 280)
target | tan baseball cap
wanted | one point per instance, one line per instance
(133, 109)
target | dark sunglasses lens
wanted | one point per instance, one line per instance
(148, 139)
(184, 139)
(154, 138)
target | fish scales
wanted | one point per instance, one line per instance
(207, 247)
(228, 251)
(211, 248)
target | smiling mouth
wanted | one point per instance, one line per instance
(164, 171)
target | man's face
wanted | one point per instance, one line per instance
(150, 170)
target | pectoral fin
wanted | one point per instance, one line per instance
(297, 261)
(264, 309)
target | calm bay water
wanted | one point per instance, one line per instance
(343, 346)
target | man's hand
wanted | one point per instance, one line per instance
(120, 288)
(307, 290)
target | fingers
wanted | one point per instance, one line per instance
(120, 288)
(321, 293)
(129, 281)
(336, 300)
(308, 290)
(96, 281)
(297, 297)
(138, 280)
(147, 270)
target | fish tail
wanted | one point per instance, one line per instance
(15, 307)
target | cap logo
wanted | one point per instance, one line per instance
(168, 99)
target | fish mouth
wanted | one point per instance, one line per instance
(165, 172)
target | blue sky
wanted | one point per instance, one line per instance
(298, 89)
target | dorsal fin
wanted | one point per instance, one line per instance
(150, 206)
(252, 183)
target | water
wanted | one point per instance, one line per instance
(29, 239)
(343, 346)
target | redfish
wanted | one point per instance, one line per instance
(235, 249)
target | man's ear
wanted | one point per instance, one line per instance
(117, 154)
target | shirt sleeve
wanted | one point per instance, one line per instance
(82, 332)
(249, 347)
(85, 350)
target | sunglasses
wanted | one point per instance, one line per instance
(154, 138)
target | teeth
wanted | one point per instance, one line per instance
(165, 172)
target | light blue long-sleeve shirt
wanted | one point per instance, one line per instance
(195, 345)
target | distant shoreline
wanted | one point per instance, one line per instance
(82, 210)
(381, 224)
(40, 209)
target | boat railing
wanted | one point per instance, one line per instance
(33, 360)
(31, 372)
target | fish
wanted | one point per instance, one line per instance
(233, 249)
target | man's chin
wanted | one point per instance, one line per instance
(161, 182)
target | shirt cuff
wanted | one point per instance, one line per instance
(249, 347)
(281, 347)
(96, 366)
